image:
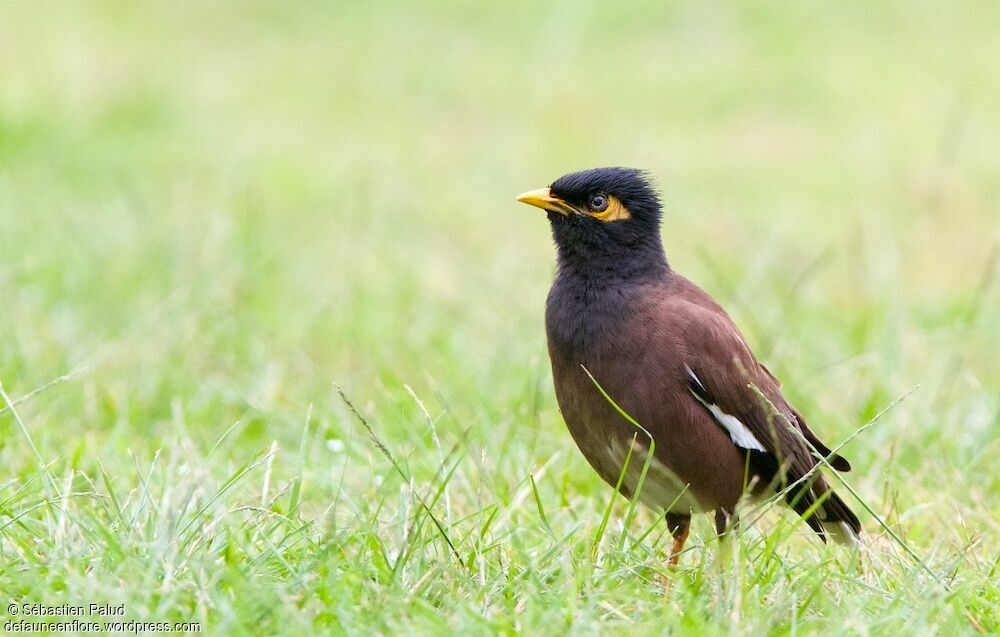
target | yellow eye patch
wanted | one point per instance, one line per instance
(614, 212)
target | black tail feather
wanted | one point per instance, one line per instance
(803, 497)
(837, 511)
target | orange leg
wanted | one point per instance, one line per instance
(679, 526)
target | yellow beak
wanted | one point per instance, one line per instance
(544, 199)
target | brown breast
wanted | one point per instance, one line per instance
(640, 363)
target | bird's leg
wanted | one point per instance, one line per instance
(725, 522)
(679, 526)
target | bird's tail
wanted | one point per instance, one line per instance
(831, 519)
(839, 522)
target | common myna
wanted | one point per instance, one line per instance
(621, 322)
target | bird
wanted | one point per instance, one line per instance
(656, 383)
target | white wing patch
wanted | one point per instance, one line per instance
(737, 430)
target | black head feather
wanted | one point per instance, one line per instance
(631, 186)
(624, 249)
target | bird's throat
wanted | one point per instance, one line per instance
(611, 267)
(600, 282)
(585, 312)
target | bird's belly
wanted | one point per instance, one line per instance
(695, 466)
(660, 489)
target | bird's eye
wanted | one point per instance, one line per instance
(598, 202)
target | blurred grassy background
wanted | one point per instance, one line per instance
(216, 210)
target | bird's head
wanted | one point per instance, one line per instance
(602, 214)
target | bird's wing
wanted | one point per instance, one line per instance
(744, 397)
(837, 461)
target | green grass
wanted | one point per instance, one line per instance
(212, 216)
